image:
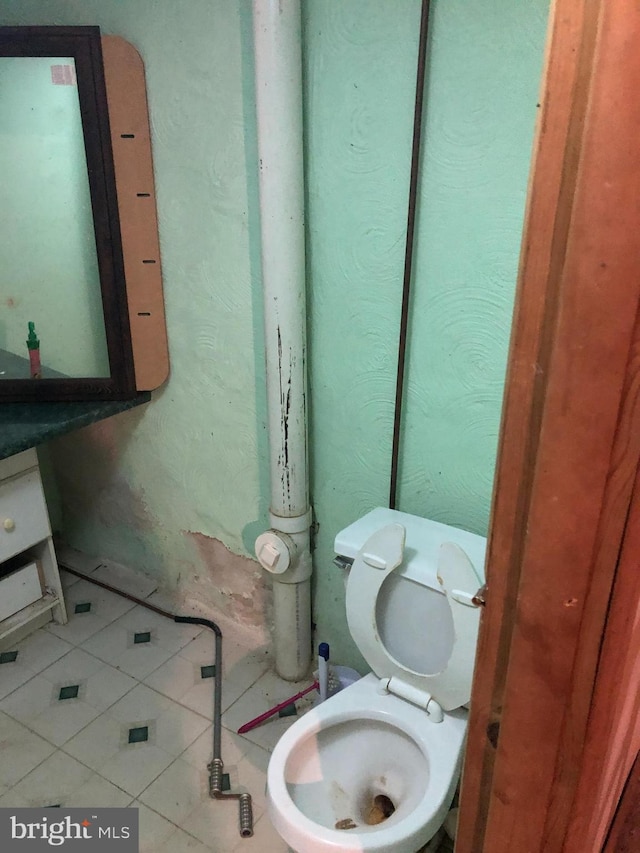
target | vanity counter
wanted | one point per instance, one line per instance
(25, 425)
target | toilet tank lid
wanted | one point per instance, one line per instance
(423, 537)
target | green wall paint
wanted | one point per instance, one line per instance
(483, 79)
(195, 459)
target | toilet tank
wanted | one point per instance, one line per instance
(422, 544)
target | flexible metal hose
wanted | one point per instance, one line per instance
(216, 766)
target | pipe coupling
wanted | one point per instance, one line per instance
(291, 523)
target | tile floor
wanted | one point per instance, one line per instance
(115, 709)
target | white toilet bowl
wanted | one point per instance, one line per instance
(328, 768)
(375, 767)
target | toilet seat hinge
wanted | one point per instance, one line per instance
(414, 695)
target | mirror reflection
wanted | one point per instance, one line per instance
(51, 315)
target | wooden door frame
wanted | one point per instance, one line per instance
(612, 742)
(569, 444)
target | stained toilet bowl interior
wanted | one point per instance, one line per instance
(360, 774)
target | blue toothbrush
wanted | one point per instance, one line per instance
(323, 670)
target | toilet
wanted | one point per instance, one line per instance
(375, 767)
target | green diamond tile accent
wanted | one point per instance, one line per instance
(139, 734)
(8, 657)
(208, 671)
(142, 637)
(289, 711)
(226, 782)
(70, 692)
(83, 607)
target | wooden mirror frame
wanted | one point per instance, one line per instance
(122, 194)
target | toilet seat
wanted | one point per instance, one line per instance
(380, 556)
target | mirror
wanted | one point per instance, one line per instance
(64, 317)
(50, 276)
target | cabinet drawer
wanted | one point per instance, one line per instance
(23, 513)
(19, 589)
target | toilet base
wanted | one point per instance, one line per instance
(432, 846)
(359, 751)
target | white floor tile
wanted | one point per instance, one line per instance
(107, 686)
(181, 794)
(177, 791)
(181, 679)
(134, 769)
(180, 842)
(77, 560)
(105, 608)
(131, 767)
(124, 578)
(142, 703)
(200, 753)
(67, 579)
(252, 775)
(267, 692)
(172, 636)
(97, 792)
(35, 653)
(21, 751)
(97, 744)
(176, 727)
(104, 744)
(154, 829)
(75, 664)
(238, 661)
(101, 684)
(117, 644)
(240, 666)
(36, 704)
(54, 782)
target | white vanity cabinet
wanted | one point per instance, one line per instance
(30, 588)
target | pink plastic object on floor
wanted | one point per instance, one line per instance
(257, 720)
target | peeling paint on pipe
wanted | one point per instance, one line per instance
(278, 69)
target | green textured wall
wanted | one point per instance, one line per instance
(483, 79)
(181, 487)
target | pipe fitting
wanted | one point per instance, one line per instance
(276, 551)
(291, 524)
(286, 556)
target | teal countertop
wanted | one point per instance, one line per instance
(25, 425)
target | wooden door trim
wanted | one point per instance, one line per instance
(566, 462)
(613, 732)
(545, 223)
(624, 836)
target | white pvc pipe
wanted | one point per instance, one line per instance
(292, 633)
(278, 70)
